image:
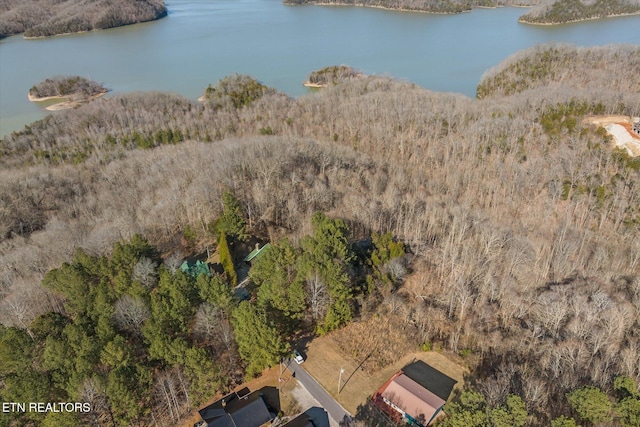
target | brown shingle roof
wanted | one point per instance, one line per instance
(412, 398)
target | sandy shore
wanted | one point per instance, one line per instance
(44, 98)
(64, 102)
(314, 85)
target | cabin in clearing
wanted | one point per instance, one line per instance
(416, 394)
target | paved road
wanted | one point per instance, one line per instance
(333, 408)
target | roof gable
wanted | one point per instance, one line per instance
(412, 398)
(312, 417)
(210, 413)
(430, 378)
(253, 415)
(239, 409)
(226, 421)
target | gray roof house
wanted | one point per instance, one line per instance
(239, 409)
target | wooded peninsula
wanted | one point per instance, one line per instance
(69, 91)
(560, 12)
(502, 231)
(43, 18)
(543, 12)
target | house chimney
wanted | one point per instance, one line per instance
(257, 246)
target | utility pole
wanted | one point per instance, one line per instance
(340, 379)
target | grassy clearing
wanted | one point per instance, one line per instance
(324, 360)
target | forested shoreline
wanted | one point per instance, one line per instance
(521, 223)
(551, 12)
(565, 11)
(43, 18)
(430, 6)
(50, 18)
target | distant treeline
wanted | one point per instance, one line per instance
(545, 12)
(432, 6)
(562, 11)
(522, 221)
(41, 18)
(74, 86)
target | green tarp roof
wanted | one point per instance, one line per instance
(254, 253)
(195, 269)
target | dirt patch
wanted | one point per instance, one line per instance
(619, 127)
(325, 359)
(606, 120)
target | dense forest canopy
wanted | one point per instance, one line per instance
(42, 18)
(128, 329)
(523, 226)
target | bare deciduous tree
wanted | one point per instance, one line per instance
(130, 313)
(145, 272)
(317, 296)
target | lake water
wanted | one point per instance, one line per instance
(202, 41)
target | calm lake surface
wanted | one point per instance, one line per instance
(202, 41)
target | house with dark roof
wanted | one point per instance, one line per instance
(416, 394)
(239, 409)
(312, 417)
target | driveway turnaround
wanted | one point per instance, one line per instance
(333, 408)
